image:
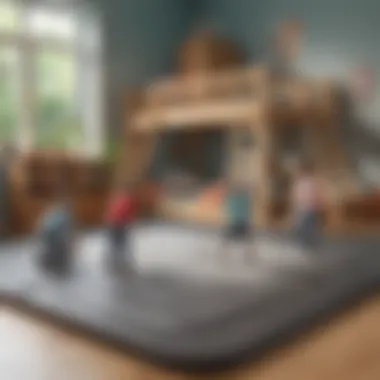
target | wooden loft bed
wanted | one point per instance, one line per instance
(245, 98)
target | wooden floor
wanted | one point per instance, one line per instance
(347, 348)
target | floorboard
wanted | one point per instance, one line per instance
(345, 348)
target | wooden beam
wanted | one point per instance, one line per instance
(265, 157)
(198, 115)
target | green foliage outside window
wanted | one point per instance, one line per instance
(9, 15)
(58, 123)
(8, 94)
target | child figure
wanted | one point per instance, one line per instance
(120, 216)
(56, 232)
(307, 207)
(238, 211)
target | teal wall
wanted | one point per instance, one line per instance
(141, 36)
(340, 36)
(140, 39)
(340, 33)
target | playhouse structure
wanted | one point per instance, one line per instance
(270, 111)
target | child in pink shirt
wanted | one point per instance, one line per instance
(307, 196)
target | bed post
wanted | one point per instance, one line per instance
(264, 138)
(342, 182)
(137, 146)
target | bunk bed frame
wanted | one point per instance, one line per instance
(247, 98)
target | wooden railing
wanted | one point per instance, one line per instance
(245, 83)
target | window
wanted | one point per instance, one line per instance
(45, 23)
(58, 123)
(9, 15)
(9, 106)
(50, 77)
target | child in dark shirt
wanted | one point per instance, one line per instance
(56, 230)
(121, 213)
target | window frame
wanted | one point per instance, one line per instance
(27, 46)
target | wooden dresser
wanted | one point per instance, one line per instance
(33, 185)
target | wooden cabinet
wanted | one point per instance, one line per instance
(37, 181)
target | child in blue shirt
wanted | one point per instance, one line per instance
(56, 232)
(238, 211)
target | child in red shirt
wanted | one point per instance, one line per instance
(121, 213)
